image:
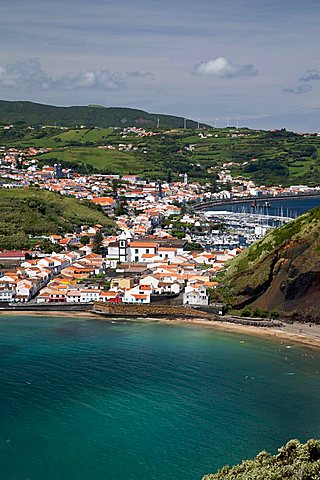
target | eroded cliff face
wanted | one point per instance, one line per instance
(281, 275)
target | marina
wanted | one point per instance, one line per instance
(237, 225)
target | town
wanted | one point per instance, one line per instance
(161, 247)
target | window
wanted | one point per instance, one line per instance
(136, 259)
(147, 250)
(136, 251)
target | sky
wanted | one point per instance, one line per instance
(255, 62)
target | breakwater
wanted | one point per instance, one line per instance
(247, 200)
(114, 310)
(47, 307)
(148, 310)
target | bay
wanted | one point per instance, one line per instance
(291, 207)
(84, 399)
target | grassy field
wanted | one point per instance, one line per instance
(108, 161)
(53, 137)
(29, 212)
(266, 157)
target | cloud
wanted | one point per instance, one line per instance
(90, 79)
(310, 75)
(306, 88)
(222, 67)
(138, 74)
(25, 74)
(28, 75)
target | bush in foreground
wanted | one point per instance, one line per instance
(295, 460)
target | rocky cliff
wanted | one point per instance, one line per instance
(281, 272)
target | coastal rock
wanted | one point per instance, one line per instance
(281, 272)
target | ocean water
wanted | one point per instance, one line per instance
(84, 399)
(291, 207)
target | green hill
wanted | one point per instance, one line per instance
(91, 116)
(267, 157)
(106, 161)
(281, 272)
(294, 460)
(29, 212)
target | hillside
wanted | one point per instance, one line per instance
(281, 272)
(38, 114)
(294, 460)
(29, 212)
(269, 158)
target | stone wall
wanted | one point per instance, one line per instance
(150, 310)
(49, 307)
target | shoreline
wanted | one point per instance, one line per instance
(299, 333)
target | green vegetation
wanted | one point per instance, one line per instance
(104, 161)
(294, 460)
(37, 114)
(269, 158)
(278, 274)
(29, 214)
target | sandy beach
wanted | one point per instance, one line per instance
(293, 333)
(301, 333)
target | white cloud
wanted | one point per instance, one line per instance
(24, 74)
(28, 75)
(222, 67)
(91, 79)
(299, 90)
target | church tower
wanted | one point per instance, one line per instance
(123, 248)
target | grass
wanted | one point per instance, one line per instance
(282, 158)
(109, 161)
(32, 212)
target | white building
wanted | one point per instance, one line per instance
(7, 292)
(139, 249)
(195, 295)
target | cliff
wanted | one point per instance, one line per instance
(281, 272)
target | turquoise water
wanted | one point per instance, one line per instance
(89, 400)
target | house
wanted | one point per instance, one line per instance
(89, 295)
(195, 294)
(12, 256)
(25, 289)
(106, 203)
(7, 292)
(111, 296)
(122, 283)
(137, 295)
(73, 296)
(139, 248)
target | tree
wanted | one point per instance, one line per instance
(97, 243)
(294, 460)
(85, 240)
(122, 208)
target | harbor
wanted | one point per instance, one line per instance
(232, 224)
(237, 229)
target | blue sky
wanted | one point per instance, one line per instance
(253, 60)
